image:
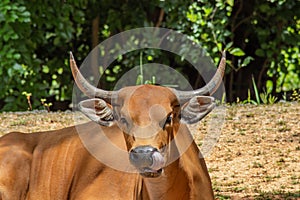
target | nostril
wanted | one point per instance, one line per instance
(133, 156)
(142, 156)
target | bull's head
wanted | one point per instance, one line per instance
(149, 116)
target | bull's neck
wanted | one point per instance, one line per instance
(174, 177)
(172, 184)
(185, 178)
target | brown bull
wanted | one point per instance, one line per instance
(148, 122)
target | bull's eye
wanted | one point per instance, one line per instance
(167, 121)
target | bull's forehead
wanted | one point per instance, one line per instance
(146, 103)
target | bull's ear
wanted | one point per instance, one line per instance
(97, 110)
(197, 108)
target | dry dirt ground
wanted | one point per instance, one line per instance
(252, 152)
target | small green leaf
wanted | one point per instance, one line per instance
(229, 45)
(230, 2)
(237, 52)
(17, 56)
(45, 69)
(246, 61)
(60, 70)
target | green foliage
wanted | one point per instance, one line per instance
(140, 78)
(296, 95)
(46, 105)
(267, 98)
(14, 26)
(33, 50)
(277, 25)
(271, 30)
(248, 100)
(35, 39)
(255, 91)
(28, 96)
(264, 97)
(206, 22)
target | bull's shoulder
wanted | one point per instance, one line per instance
(18, 139)
(35, 137)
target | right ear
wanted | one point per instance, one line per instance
(197, 108)
(97, 110)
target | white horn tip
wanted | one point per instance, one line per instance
(224, 54)
(71, 56)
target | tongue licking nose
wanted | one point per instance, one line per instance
(158, 161)
(146, 159)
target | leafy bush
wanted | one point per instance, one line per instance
(33, 51)
(261, 37)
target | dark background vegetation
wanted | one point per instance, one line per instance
(262, 40)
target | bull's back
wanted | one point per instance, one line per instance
(39, 165)
(56, 165)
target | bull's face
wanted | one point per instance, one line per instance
(149, 116)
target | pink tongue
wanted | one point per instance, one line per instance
(158, 161)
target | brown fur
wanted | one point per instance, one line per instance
(55, 165)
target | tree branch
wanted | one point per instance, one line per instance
(160, 18)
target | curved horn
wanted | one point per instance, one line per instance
(86, 87)
(209, 88)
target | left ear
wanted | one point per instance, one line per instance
(97, 110)
(197, 108)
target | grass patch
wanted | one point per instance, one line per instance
(19, 122)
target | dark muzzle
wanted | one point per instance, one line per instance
(142, 156)
(147, 160)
